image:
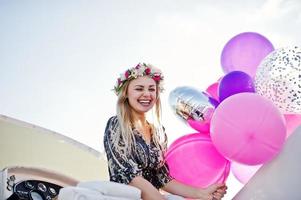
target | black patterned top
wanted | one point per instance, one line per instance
(147, 161)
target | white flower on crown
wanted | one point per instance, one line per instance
(141, 70)
(122, 77)
(134, 73)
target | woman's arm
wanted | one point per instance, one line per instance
(216, 190)
(148, 191)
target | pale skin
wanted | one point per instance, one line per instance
(142, 96)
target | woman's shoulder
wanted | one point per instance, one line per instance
(112, 121)
(112, 124)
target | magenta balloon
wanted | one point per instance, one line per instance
(183, 139)
(212, 90)
(194, 160)
(248, 128)
(235, 82)
(244, 52)
(199, 126)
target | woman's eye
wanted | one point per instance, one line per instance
(152, 89)
(138, 89)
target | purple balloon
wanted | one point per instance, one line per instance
(233, 83)
(213, 101)
(244, 52)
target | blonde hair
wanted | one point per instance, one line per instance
(125, 120)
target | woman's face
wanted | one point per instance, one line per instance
(142, 94)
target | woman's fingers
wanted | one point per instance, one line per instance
(221, 191)
(217, 191)
(217, 195)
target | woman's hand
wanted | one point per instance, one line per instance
(214, 192)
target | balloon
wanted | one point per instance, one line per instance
(212, 90)
(202, 126)
(278, 179)
(193, 160)
(244, 52)
(188, 102)
(248, 128)
(199, 126)
(182, 139)
(292, 123)
(278, 78)
(235, 82)
(213, 101)
(242, 172)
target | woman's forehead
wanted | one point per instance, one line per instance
(143, 80)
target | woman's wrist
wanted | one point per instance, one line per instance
(200, 193)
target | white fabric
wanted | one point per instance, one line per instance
(77, 193)
(104, 190)
(173, 197)
(112, 189)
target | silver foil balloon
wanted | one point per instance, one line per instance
(278, 78)
(188, 102)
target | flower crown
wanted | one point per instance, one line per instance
(141, 69)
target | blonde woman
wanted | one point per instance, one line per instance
(135, 148)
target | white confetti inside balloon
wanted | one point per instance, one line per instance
(278, 78)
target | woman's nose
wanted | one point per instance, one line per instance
(146, 93)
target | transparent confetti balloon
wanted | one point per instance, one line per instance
(278, 78)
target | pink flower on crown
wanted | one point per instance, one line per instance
(138, 66)
(147, 71)
(127, 74)
(119, 81)
(157, 78)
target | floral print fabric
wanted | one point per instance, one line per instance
(147, 161)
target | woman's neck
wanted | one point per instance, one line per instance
(139, 119)
(143, 127)
(138, 115)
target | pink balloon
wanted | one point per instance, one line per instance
(212, 90)
(193, 160)
(203, 127)
(248, 128)
(292, 122)
(244, 52)
(243, 173)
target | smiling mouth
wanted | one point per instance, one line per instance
(144, 102)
